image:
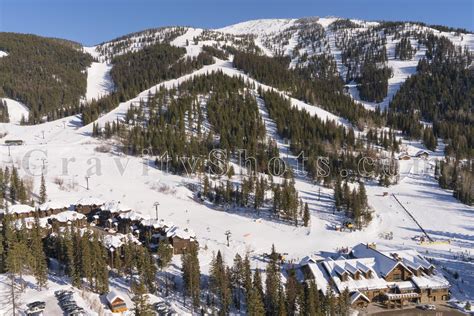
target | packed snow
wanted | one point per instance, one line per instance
(262, 26)
(99, 82)
(16, 110)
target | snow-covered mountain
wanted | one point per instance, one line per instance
(293, 38)
(78, 165)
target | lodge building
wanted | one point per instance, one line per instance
(394, 279)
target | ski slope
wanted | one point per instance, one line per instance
(99, 82)
(16, 110)
(226, 68)
(258, 27)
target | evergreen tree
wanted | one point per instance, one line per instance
(141, 307)
(42, 195)
(165, 253)
(191, 275)
(40, 268)
(219, 283)
(272, 285)
(306, 215)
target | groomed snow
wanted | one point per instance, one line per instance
(258, 27)
(16, 110)
(99, 82)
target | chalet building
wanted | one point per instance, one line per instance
(114, 244)
(129, 222)
(19, 211)
(67, 218)
(52, 208)
(153, 227)
(180, 239)
(116, 302)
(107, 215)
(394, 279)
(87, 205)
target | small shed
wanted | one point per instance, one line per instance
(116, 302)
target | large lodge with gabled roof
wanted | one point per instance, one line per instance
(393, 278)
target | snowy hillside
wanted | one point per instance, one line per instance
(16, 110)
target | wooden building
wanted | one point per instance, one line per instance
(67, 218)
(180, 239)
(88, 205)
(116, 303)
(53, 208)
(395, 279)
(19, 211)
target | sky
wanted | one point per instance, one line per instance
(94, 21)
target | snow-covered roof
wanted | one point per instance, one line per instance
(422, 152)
(20, 208)
(67, 216)
(90, 201)
(404, 285)
(368, 271)
(412, 259)
(356, 295)
(54, 205)
(435, 281)
(112, 296)
(318, 273)
(115, 207)
(156, 223)
(117, 240)
(383, 264)
(134, 216)
(175, 231)
(337, 268)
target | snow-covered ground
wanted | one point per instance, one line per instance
(99, 82)
(3, 54)
(226, 68)
(262, 26)
(187, 40)
(16, 110)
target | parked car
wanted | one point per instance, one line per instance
(427, 307)
(37, 304)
